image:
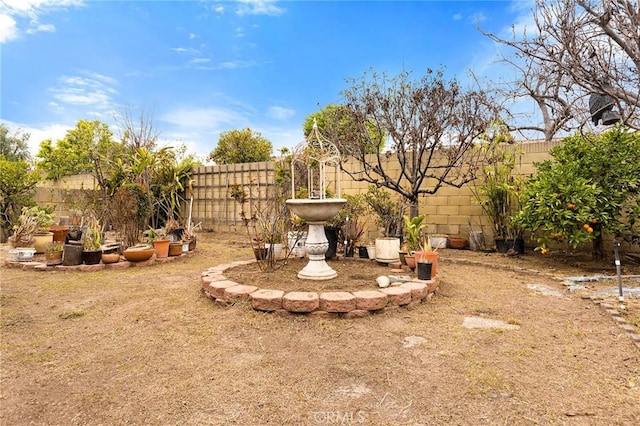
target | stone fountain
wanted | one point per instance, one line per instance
(316, 153)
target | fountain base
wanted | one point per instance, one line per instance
(316, 246)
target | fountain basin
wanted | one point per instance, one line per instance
(316, 210)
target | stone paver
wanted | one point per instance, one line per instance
(418, 290)
(217, 288)
(266, 300)
(337, 301)
(239, 291)
(397, 295)
(301, 301)
(370, 300)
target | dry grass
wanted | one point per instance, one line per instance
(143, 346)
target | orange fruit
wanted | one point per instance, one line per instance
(594, 221)
(571, 206)
(586, 227)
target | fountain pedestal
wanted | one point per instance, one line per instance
(316, 213)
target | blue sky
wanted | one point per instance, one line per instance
(202, 67)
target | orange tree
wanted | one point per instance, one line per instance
(589, 188)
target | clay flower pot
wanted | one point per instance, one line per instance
(138, 253)
(110, 258)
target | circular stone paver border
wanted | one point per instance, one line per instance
(345, 304)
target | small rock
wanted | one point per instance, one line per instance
(399, 278)
(383, 281)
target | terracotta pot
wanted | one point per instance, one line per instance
(192, 244)
(162, 248)
(59, 232)
(175, 249)
(138, 254)
(110, 258)
(411, 260)
(457, 242)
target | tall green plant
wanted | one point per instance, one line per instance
(589, 188)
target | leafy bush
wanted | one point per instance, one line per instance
(590, 187)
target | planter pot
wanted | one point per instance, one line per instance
(59, 232)
(362, 253)
(92, 257)
(432, 257)
(276, 247)
(185, 247)
(110, 258)
(411, 260)
(42, 241)
(424, 270)
(332, 238)
(74, 234)
(175, 249)
(402, 255)
(72, 255)
(371, 252)
(22, 254)
(296, 243)
(138, 253)
(162, 248)
(260, 253)
(387, 249)
(457, 243)
(192, 244)
(53, 257)
(438, 241)
(503, 246)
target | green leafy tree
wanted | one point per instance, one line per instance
(17, 187)
(589, 188)
(241, 146)
(14, 147)
(87, 148)
(336, 124)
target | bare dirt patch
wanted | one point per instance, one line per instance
(353, 275)
(144, 346)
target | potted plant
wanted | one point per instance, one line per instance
(92, 242)
(160, 242)
(32, 229)
(389, 219)
(428, 253)
(498, 193)
(53, 253)
(425, 268)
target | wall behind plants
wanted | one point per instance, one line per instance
(451, 211)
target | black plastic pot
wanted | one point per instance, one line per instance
(362, 253)
(424, 271)
(332, 237)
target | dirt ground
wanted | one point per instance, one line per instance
(143, 346)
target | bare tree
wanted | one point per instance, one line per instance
(432, 125)
(578, 48)
(137, 132)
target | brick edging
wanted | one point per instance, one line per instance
(121, 264)
(343, 304)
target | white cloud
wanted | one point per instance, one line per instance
(192, 36)
(280, 113)
(457, 16)
(28, 12)
(53, 131)
(41, 28)
(258, 7)
(91, 88)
